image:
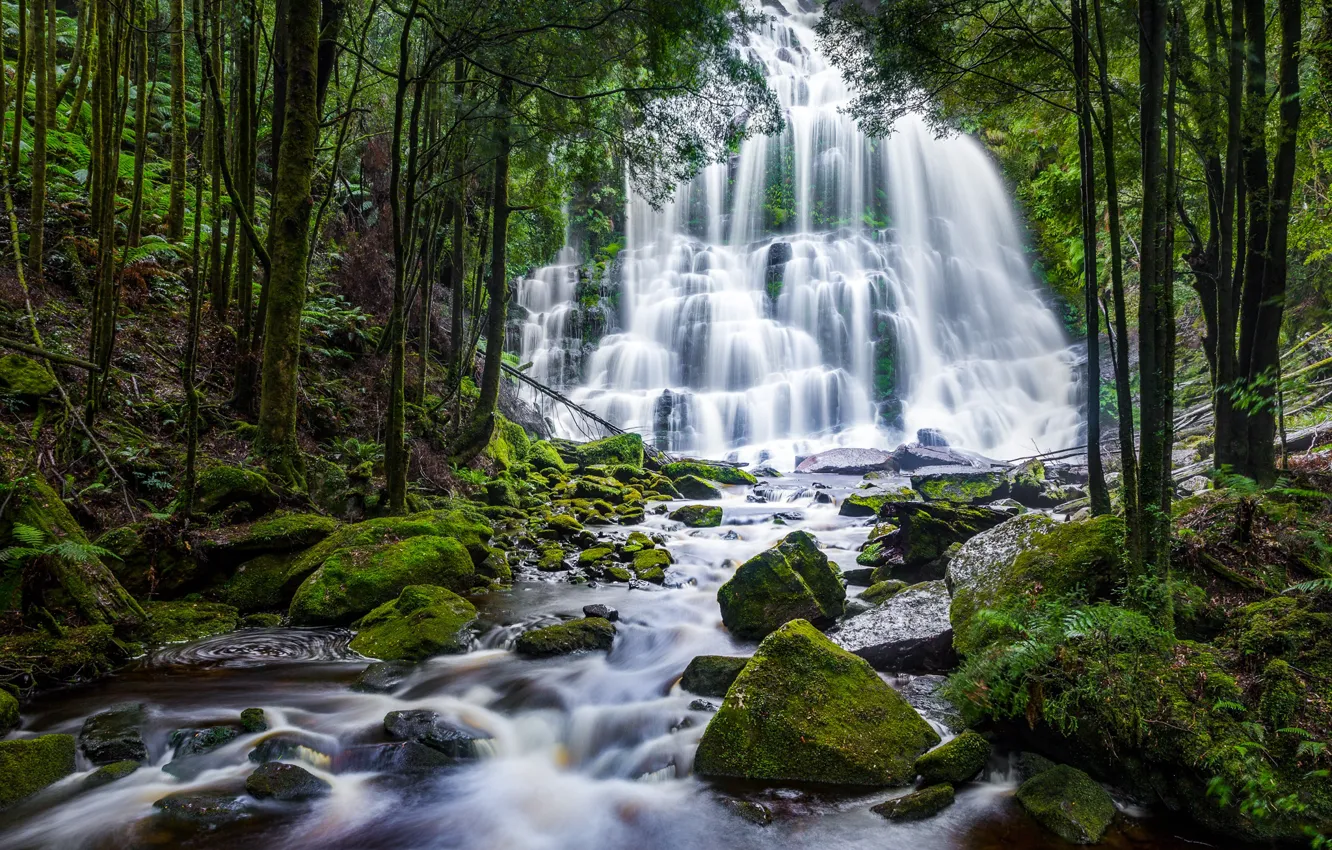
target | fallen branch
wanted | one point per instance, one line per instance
(67, 359)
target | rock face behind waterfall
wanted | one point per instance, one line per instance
(792, 580)
(806, 710)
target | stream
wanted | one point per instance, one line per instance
(589, 750)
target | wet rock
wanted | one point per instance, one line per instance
(253, 720)
(693, 487)
(882, 591)
(1069, 803)
(193, 742)
(712, 675)
(702, 705)
(755, 813)
(221, 487)
(382, 677)
(605, 612)
(915, 456)
(108, 773)
(212, 807)
(924, 533)
(918, 805)
(792, 580)
(779, 253)
(859, 577)
(405, 757)
(115, 735)
(855, 606)
(823, 497)
(698, 516)
(870, 503)
(847, 462)
(931, 438)
(909, 632)
(9, 711)
(1027, 764)
(806, 710)
(784, 517)
(427, 727)
(766, 472)
(423, 621)
(585, 635)
(925, 693)
(27, 765)
(287, 746)
(955, 762)
(286, 782)
(961, 487)
(720, 473)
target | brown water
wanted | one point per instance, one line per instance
(584, 752)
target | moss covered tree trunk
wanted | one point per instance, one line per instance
(292, 207)
(246, 147)
(219, 300)
(140, 123)
(77, 61)
(40, 123)
(176, 206)
(20, 86)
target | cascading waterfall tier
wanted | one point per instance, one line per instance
(821, 288)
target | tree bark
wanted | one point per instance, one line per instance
(20, 91)
(292, 207)
(41, 117)
(176, 206)
(140, 124)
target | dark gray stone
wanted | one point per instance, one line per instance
(847, 462)
(115, 735)
(286, 782)
(909, 632)
(603, 611)
(382, 677)
(428, 728)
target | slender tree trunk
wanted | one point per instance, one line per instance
(1123, 389)
(4, 92)
(41, 117)
(140, 124)
(20, 91)
(106, 167)
(49, 42)
(220, 296)
(246, 165)
(87, 70)
(176, 207)
(330, 27)
(291, 241)
(77, 61)
(196, 298)
(1265, 356)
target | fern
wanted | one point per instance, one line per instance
(1314, 586)
(1229, 705)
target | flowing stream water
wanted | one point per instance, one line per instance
(583, 751)
(821, 288)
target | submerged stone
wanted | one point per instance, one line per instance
(286, 782)
(382, 677)
(918, 805)
(108, 773)
(213, 807)
(793, 580)
(803, 709)
(427, 727)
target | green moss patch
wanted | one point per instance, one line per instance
(790, 581)
(423, 621)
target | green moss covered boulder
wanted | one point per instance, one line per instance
(870, 504)
(955, 762)
(1069, 803)
(793, 580)
(26, 378)
(698, 516)
(261, 584)
(423, 621)
(925, 531)
(882, 591)
(918, 805)
(274, 534)
(961, 487)
(543, 457)
(174, 622)
(221, 486)
(509, 445)
(80, 654)
(585, 635)
(27, 765)
(721, 473)
(355, 580)
(649, 559)
(625, 449)
(108, 773)
(712, 675)
(9, 711)
(805, 710)
(693, 487)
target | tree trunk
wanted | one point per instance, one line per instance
(140, 124)
(78, 60)
(247, 146)
(41, 117)
(176, 207)
(20, 91)
(219, 300)
(292, 207)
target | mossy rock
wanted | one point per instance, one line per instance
(793, 580)
(503, 492)
(355, 580)
(174, 622)
(979, 569)
(594, 487)
(543, 457)
(961, 487)
(693, 487)
(652, 559)
(1069, 803)
(274, 534)
(26, 378)
(720, 473)
(260, 584)
(423, 621)
(27, 765)
(285, 782)
(149, 561)
(882, 591)
(698, 516)
(870, 504)
(108, 773)
(712, 675)
(957, 761)
(805, 710)
(925, 531)
(918, 805)
(595, 555)
(253, 720)
(585, 635)
(564, 526)
(617, 574)
(509, 445)
(621, 449)
(550, 559)
(9, 711)
(220, 487)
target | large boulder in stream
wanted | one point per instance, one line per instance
(955, 762)
(285, 782)
(356, 580)
(1069, 803)
(848, 462)
(712, 675)
(925, 531)
(805, 710)
(698, 516)
(910, 632)
(965, 487)
(423, 621)
(790, 581)
(27, 765)
(719, 472)
(115, 734)
(585, 635)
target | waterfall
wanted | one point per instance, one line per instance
(821, 288)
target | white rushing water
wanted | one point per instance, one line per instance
(906, 279)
